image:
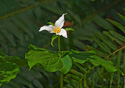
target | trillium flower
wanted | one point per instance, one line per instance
(57, 28)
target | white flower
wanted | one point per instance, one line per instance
(57, 28)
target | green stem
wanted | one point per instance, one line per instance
(59, 46)
(81, 84)
(85, 84)
(61, 74)
(61, 80)
(111, 80)
(118, 66)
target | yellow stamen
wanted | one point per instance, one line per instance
(57, 30)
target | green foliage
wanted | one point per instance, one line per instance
(67, 64)
(107, 64)
(85, 62)
(81, 57)
(112, 49)
(49, 60)
(121, 27)
(69, 29)
(53, 38)
(51, 23)
(21, 19)
(8, 69)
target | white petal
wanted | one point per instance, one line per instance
(60, 22)
(63, 33)
(51, 31)
(48, 28)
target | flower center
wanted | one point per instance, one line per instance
(57, 30)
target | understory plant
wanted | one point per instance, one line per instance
(77, 69)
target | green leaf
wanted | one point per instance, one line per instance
(8, 71)
(112, 37)
(117, 25)
(96, 61)
(17, 60)
(73, 77)
(102, 22)
(102, 45)
(69, 29)
(51, 23)
(50, 61)
(32, 47)
(121, 16)
(97, 51)
(81, 57)
(67, 64)
(53, 38)
(106, 41)
(118, 36)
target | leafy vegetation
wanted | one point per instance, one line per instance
(8, 69)
(93, 56)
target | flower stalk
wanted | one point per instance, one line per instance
(59, 46)
(61, 74)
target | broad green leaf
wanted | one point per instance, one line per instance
(81, 57)
(49, 61)
(53, 38)
(8, 71)
(117, 25)
(69, 29)
(51, 23)
(79, 61)
(96, 61)
(67, 64)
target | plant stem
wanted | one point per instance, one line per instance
(61, 80)
(85, 85)
(111, 80)
(59, 46)
(80, 84)
(61, 74)
(118, 66)
(115, 52)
